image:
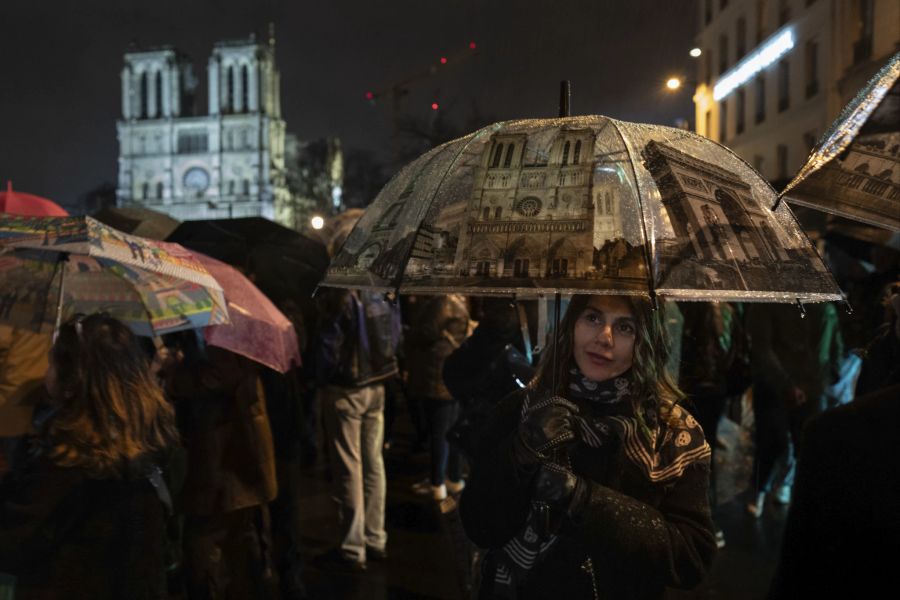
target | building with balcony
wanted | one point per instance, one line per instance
(774, 74)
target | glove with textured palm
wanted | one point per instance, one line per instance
(547, 425)
(559, 488)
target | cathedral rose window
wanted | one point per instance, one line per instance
(529, 207)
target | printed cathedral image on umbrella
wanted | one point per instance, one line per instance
(582, 204)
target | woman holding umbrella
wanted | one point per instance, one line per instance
(82, 512)
(593, 481)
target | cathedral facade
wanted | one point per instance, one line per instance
(531, 216)
(226, 163)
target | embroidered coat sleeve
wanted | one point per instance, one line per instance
(673, 544)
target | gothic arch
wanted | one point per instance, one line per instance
(143, 95)
(498, 152)
(158, 84)
(228, 101)
(562, 258)
(245, 88)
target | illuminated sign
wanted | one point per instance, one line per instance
(774, 48)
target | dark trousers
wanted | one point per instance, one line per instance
(286, 512)
(445, 459)
(227, 555)
(707, 406)
(777, 426)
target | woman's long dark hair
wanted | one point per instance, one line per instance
(654, 391)
(110, 409)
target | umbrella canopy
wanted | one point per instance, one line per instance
(855, 169)
(283, 263)
(258, 330)
(582, 204)
(20, 203)
(77, 264)
(138, 220)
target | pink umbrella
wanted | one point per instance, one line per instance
(29, 205)
(258, 330)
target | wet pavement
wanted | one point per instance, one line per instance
(420, 563)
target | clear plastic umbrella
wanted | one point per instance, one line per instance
(582, 205)
(854, 171)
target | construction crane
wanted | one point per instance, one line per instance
(397, 90)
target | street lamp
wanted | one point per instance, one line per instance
(696, 52)
(317, 222)
(673, 83)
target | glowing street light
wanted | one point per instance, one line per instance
(317, 222)
(673, 83)
(695, 52)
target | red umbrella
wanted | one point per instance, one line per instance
(258, 330)
(29, 205)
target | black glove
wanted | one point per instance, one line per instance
(548, 425)
(559, 488)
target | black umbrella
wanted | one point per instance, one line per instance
(283, 263)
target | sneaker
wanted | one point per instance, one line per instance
(782, 495)
(424, 488)
(335, 560)
(455, 487)
(376, 554)
(755, 508)
(720, 538)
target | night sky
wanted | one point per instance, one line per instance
(60, 63)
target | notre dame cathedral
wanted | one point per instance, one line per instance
(226, 163)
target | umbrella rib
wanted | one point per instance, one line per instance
(402, 271)
(651, 281)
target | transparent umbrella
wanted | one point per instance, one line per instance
(854, 171)
(582, 205)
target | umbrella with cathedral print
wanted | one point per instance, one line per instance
(854, 171)
(582, 204)
(54, 266)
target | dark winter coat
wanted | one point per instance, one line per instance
(842, 536)
(631, 539)
(359, 333)
(68, 536)
(225, 430)
(439, 327)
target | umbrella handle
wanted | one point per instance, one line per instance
(63, 258)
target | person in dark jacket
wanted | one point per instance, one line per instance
(593, 481)
(793, 360)
(359, 332)
(440, 326)
(82, 514)
(231, 474)
(842, 536)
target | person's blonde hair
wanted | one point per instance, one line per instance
(653, 389)
(110, 409)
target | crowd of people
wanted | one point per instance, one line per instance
(171, 469)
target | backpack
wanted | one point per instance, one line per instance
(379, 334)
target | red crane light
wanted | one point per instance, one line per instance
(435, 106)
(472, 46)
(370, 96)
(443, 60)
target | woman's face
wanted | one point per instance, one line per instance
(604, 338)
